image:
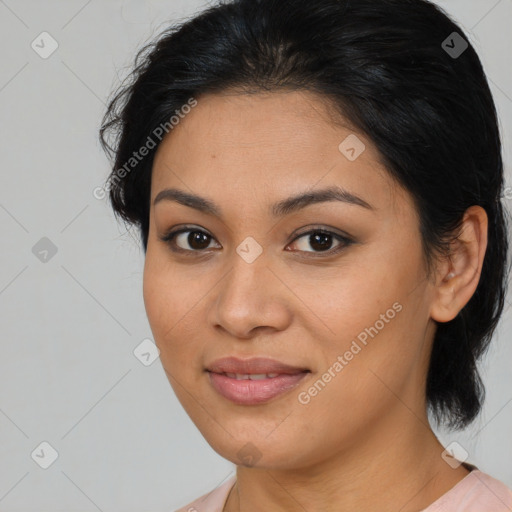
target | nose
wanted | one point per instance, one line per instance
(250, 299)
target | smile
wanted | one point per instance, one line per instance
(253, 389)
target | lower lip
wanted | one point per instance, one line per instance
(251, 392)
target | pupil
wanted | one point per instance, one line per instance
(195, 237)
(321, 238)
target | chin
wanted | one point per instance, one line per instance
(258, 451)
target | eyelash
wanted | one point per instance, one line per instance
(169, 237)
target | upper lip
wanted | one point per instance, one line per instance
(255, 365)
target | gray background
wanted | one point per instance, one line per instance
(70, 324)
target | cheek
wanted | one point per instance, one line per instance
(155, 298)
(163, 290)
(352, 301)
(376, 339)
(358, 384)
(172, 300)
(164, 307)
(167, 315)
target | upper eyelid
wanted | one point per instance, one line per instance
(296, 235)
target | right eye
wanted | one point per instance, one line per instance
(196, 238)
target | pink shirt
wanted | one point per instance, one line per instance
(476, 492)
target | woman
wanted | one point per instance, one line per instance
(317, 187)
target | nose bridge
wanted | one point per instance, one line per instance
(247, 279)
(244, 297)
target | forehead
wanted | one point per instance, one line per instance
(261, 145)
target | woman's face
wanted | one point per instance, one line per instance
(258, 278)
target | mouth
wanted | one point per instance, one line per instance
(253, 366)
(253, 381)
(250, 376)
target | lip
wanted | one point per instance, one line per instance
(252, 366)
(253, 392)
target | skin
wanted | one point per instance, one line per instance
(364, 441)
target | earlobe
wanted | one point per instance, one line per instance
(445, 306)
(459, 275)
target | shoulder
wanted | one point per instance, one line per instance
(212, 501)
(477, 492)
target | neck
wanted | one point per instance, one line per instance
(386, 469)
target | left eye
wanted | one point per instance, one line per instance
(322, 240)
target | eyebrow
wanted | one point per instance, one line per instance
(279, 209)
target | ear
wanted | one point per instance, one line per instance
(457, 277)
